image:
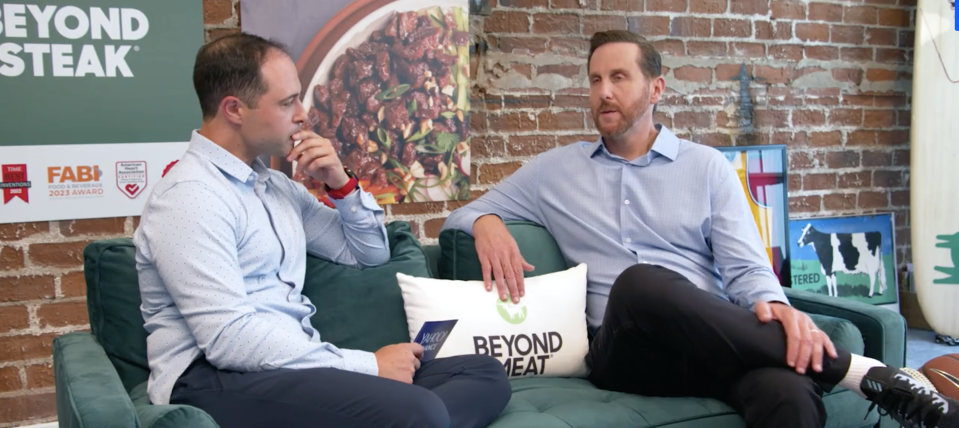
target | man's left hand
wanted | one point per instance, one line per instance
(805, 343)
(316, 157)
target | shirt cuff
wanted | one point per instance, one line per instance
(769, 296)
(357, 206)
(360, 362)
(466, 222)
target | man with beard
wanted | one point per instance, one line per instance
(682, 300)
(221, 255)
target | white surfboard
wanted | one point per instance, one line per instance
(934, 172)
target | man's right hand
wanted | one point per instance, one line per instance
(400, 361)
(499, 257)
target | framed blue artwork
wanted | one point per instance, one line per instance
(851, 257)
(762, 173)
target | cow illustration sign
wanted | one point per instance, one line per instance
(850, 257)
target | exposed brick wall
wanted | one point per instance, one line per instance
(835, 79)
(42, 295)
(835, 89)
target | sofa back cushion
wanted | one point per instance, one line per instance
(458, 259)
(113, 304)
(363, 308)
(356, 308)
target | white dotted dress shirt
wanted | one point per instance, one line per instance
(221, 256)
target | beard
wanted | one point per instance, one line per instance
(628, 116)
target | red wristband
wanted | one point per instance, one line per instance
(343, 191)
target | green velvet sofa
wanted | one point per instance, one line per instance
(101, 375)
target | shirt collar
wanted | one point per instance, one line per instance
(226, 161)
(666, 144)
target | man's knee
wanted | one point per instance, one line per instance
(777, 394)
(490, 371)
(646, 284)
(421, 408)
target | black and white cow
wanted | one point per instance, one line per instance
(847, 252)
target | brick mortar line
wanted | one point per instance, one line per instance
(33, 320)
(23, 364)
(727, 12)
(29, 421)
(827, 192)
(896, 168)
(751, 38)
(22, 392)
(700, 108)
(22, 374)
(39, 331)
(543, 59)
(55, 271)
(41, 302)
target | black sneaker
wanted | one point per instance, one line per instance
(908, 401)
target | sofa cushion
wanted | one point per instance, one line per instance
(562, 402)
(362, 308)
(113, 305)
(458, 252)
(458, 260)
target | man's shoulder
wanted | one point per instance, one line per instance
(699, 155)
(579, 148)
(191, 177)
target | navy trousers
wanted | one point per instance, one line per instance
(464, 391)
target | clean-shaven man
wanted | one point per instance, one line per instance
(221, 256)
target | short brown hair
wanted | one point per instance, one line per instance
(231, 65)
(650, 62)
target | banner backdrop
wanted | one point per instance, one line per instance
(388, 82)
(97, 101)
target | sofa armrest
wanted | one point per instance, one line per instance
(89, 390)
(883, 331)
(168, 415)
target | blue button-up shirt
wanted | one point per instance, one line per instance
(221, 256)
(680, 206)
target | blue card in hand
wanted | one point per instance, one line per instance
(432, 336)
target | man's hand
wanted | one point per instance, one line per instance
(400, 361)
(316, 157)
(805, 342)
(499, 257)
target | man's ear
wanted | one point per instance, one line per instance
(232, 109)
(659, 86)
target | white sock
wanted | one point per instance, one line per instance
(858, 367)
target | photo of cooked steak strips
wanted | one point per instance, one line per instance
(396, 107)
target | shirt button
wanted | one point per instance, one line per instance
(629, 240)
(627, 202)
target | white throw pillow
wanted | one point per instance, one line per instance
(543, 335)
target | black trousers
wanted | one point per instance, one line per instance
(662, 336)
(465, 391)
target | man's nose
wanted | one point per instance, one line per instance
(300, 117)
(605, 90)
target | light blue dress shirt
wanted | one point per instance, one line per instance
(221, 256)
(680, 206)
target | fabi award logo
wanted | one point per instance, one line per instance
(74, 181)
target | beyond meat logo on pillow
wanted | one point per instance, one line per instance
(522, 354)
(511, 313)
(25, 32)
